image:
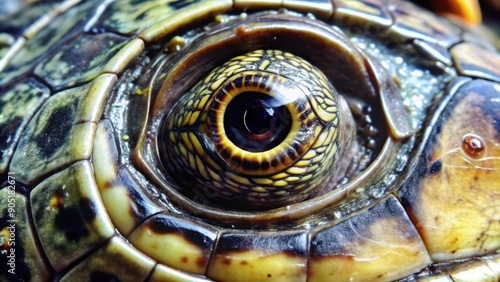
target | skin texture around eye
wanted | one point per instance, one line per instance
(206, 149)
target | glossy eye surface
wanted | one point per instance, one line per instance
(256, 122)
(262, 130)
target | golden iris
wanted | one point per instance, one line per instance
(260, 131)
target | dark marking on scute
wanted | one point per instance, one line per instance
(190, 231)
(158, 225)
(435, 167)
(49, 35)
(244, 262)
(57, 131)
(184, 259)
(309, 123)
(23, 272)
(179, 4)
(282, 158)
(87, 209)
(69, 221)
(7, 131)
(331, 241)
(100, 276)
(294, 244)
(139, 208)
(275, 162)
(269, 275)
(108, 184)
(226, 261)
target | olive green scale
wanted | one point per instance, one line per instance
(76, 206)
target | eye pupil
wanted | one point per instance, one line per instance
(256, 122)
(259, 119)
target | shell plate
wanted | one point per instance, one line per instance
(77, 206)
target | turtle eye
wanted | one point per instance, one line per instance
(256, 122)
(260, 131)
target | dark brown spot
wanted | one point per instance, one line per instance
(226, 261)
(472, 145)
(201, 262)
(108, 184)
(184, 259)
(88, 209)
(269, 276)
(244, 262)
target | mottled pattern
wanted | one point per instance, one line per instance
(17, 106)
(455, 212)
(93, 51)
(48, 40)
(20, 254)
(75, 112)
(69, 215)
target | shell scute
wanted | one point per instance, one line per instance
(260, 256)
(59, 30)
(189, 243)
(370, 17)
(125, 202)
(414, 22)
(69, 216)
(452, 197)
(18, 242)
(116, 260)
(76, 112)
(17, 105)
(80, 61)
(379, 244)
(476, 61)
